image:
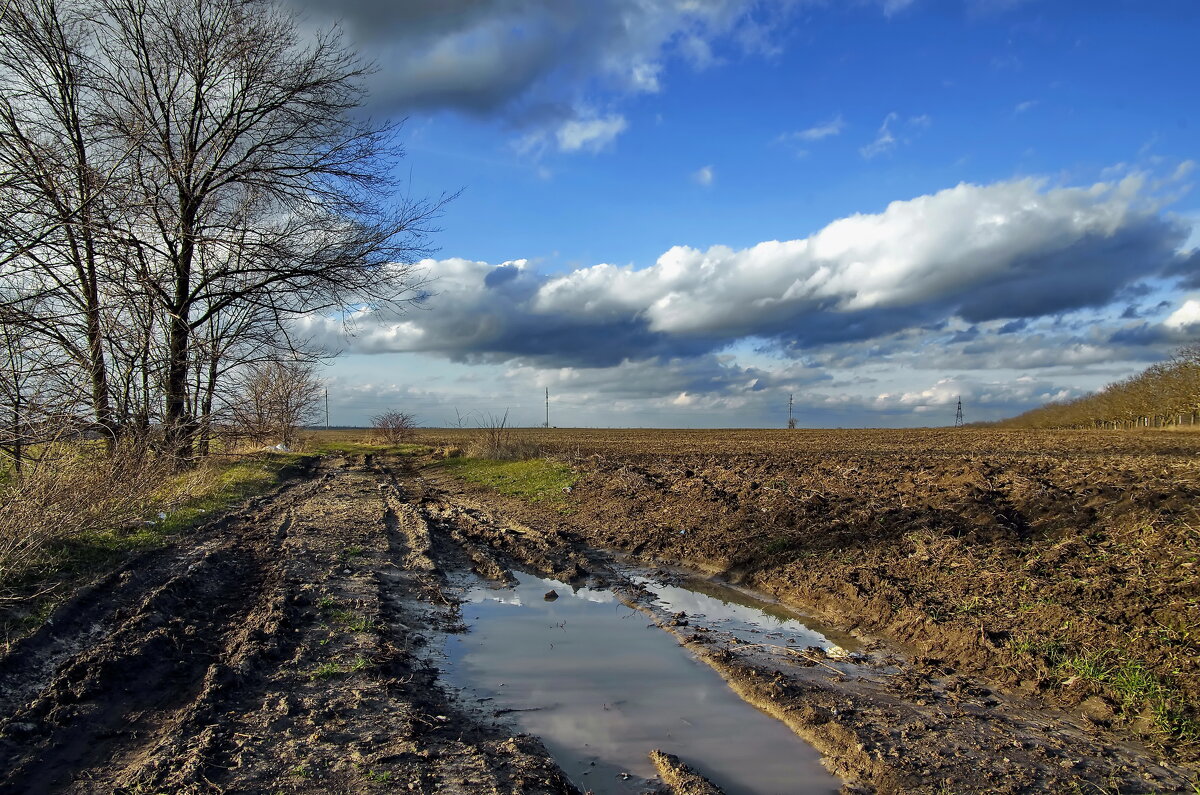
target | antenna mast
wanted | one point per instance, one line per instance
(547, 407)
(958, 418)
(791, 419)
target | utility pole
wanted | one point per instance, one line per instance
(326, 408)
(547, 407)
(958, 418)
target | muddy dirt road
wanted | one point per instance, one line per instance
(295, 645)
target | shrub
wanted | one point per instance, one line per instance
(497, 441)
(392, 427)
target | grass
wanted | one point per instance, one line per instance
(350, 620)
(328, 670)
(357, 442)
(1124, 680)
(534, 480)
(378, 776)
(223, 486)
(177, 505)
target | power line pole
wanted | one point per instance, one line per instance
(547, 407)
(958, 418)
(791, 419)
(326, 408)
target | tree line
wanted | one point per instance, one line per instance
(179, 179)
(1163, 395)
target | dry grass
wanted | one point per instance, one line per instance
(73, 492)
(79, 512)
(496, 441)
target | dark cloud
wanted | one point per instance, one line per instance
(528, 60)
(1003, 254)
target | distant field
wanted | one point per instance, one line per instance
(936, 441)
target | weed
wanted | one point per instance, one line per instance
(970, 607)
(360, 624)
(378, 776)
(1126, 680)
(1091, 666)
(329, 670)
(534, 480)
(326, 671)
(301, 771)
(137, 511)
(777, 545)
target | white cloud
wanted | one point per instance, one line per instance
(1022, 107)
(942, 397)
(704, 176)
(891, 7)
(1186, 316)
(982, 253)
(824, 130)
(925, 249)
(884, 141)
(590, 134)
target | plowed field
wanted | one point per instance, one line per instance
(1028, 604)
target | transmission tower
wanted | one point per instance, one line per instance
(547, 407)
(958, 420)
(791, 419)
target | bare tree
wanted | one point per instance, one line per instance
(177, 176)
(57, 163)
(393, 427)
(271, 400)
(248, 154)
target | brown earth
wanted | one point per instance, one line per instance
(1060, 566)
(286, 647)
(278, 650)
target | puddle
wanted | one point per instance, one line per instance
(601, 688)
(744, 615)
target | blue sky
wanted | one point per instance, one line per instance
(986, 198)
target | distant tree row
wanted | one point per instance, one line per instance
(1163, 395)
(179, 179)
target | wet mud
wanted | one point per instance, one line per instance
(298, 645)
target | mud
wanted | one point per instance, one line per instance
(950, 551)
(293, 646)
(278, 651)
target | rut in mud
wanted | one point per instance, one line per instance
(280, 650)
(294, 646)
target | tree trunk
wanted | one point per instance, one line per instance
(206, 405)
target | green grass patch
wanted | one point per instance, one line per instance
(1125, 680)
(535, 480)
(328, 670)
(223, 486)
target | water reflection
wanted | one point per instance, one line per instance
(601, 688)
(744, 615)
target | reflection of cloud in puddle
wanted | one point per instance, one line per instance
(737, 618)
(597, 687)
(478, 596)
(599, 597)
